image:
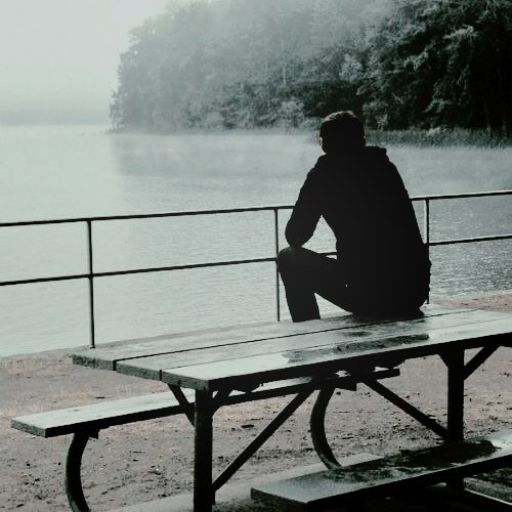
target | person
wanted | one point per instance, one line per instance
(382, 266)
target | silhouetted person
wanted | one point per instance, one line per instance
(382, 267)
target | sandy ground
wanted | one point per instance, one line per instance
(145, 461)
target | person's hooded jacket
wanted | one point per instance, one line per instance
(362, 198)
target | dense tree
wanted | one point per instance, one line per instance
(242, 63)
(442, 63)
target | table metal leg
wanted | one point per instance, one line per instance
(456, 376)
(73, 483)
(317, 428)
(455, 363)
(204, 496)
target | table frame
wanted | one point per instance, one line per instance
(324, 376)
(207, 403)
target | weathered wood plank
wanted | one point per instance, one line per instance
(98, 415)
(151, 367)
(106, 357)
(343, 352)
(320, 490)
(101, 415)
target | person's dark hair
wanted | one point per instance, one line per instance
(342, 131)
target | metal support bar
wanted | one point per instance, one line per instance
(454, 361)
(479, 359)
(276, 242)
(317, 424)
(204, 494)
(426, 222)
(188, 408)
(472, 240)
(260, 439)
(191, 266)
(298, 385)
(426, 234)
(73, 482)
(91, 283)
(408, 408)
(39, 280)
(220, 398)
(317, 419)
(91, 275)
(467, 195)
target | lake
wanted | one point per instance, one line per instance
(62, 172)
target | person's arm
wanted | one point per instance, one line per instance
(305, 214)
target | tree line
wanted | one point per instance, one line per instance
(243, 64)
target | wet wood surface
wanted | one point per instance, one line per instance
(108, 355)
(230, 357)
(98, 415)
(152, 367)
(344, 352)
(323, 489)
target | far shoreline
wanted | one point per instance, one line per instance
(420, 137)
(443, 137)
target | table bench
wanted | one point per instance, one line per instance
(215, 368)
(86, 421)
(323, 490)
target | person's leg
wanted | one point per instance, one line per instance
(305, 273)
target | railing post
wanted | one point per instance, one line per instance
(426, 221)
(426, 230)
(91, 284)
(276, 240)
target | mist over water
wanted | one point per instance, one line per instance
(57, 172)
(59, 58)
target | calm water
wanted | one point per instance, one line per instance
(55, 172)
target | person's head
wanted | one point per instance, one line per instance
(341, 132)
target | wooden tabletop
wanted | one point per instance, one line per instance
(255, 354)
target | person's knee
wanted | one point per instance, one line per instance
(287, 257)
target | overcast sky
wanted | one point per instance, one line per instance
(58, 58)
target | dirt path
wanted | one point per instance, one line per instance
(142, 462)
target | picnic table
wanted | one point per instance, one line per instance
(215, 368)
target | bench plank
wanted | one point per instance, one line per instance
(339, 351)
(151, 367)
(319, 490)
(107, 356)
(99, 415)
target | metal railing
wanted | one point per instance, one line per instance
(91, 274)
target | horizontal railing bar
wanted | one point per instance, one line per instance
(44, 280)
(41, 222)
(184, 213)
(190, 266)
(471, 240)
(181, 267)
(226, 210)
(230, 262)
(114, 273)
(490, 193)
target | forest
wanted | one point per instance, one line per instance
(400, 64)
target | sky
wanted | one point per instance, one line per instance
(59, 58)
